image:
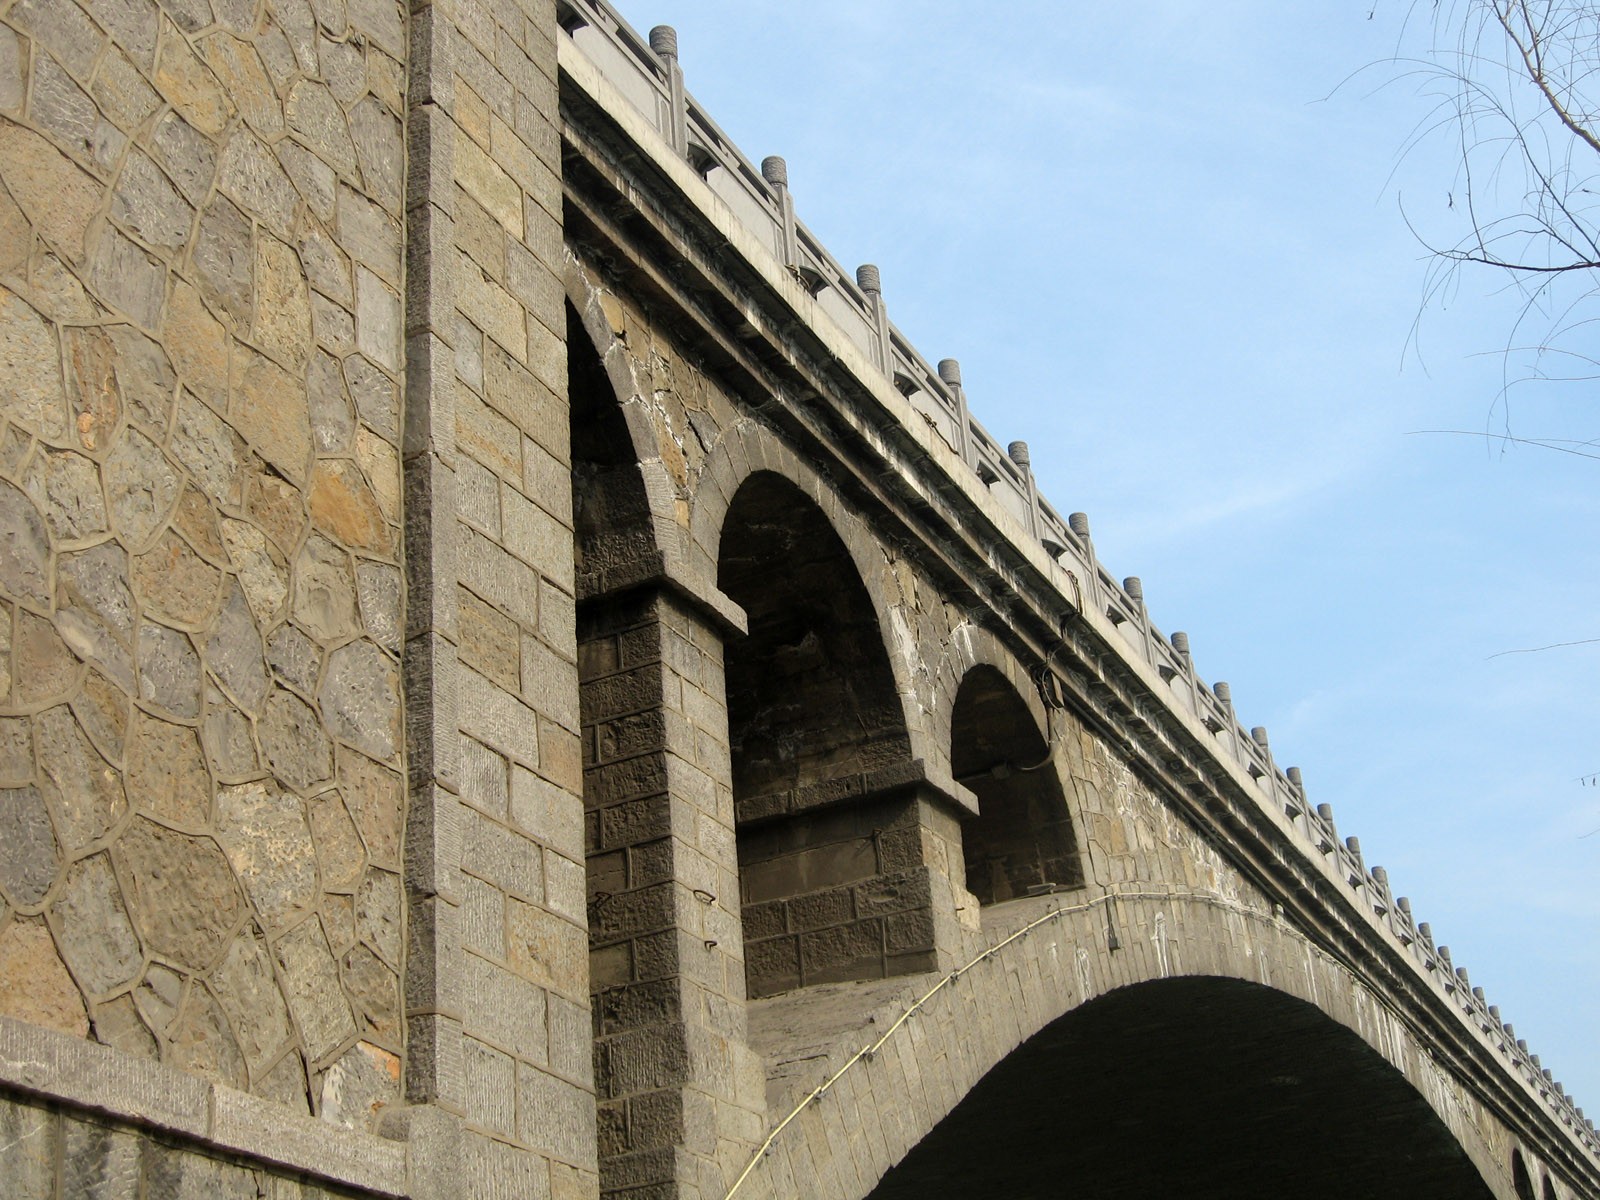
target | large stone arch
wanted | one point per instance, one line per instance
(879, 1080)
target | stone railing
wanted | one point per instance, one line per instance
(646, 72)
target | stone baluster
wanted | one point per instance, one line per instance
(871, 284)
(776, 172)
(1018, 453)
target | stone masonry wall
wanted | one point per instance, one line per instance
(200, 592)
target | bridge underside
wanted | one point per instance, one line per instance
(1195, 1087)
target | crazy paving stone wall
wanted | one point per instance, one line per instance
(200, 598)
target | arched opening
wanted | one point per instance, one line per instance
(1549, 1190)
(829, 820)
(1021, 842)
(1520, 1179)
(1206, 1088)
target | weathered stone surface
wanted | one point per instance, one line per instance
(191, 88)
(24, 547)
(59, 295)
(238, 68)
(84, 790)
(269, 409)
(262, 572)
(285, 1083)
(380, 149)
(201, 1043)
(102, 710)
(58, 196)
(122, 93)
(234, 652)
(377, 320)
(176, 583)
(344, 506)
(223, 258)
(277, 506)
(267, 840)
(339, 852)
(332, 419)
(167, 776)
(314, 114)
(380, 463)
(64, 111)
(148, 205)
(186, 155)
(11, 59)
(379, 920)
(159, 996)
(377, 802)
(116, 1023)
(184, 897)
(325, 592)
(96, 613)
(66, 486)
(314, 180)
(16, 235)
(369, 234)
(34, 984)
(126, 278)
(92, 392)
(375, 990)
(252, 178)
(361, 699)
(376, 396)
(42, 666)
(357, 1087)
(378, 586)
(30, 364)
(196, 520)
(142, 486)
(282, 324)
(141, 374)
(311, 979)
(29, 856)
(249, 995)
(199, 345)
(230, 747)
(295, 658)
(297, 749)
(169, 671)
(93, 931)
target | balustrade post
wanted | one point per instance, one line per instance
(664, 41)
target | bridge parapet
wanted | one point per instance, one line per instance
(645, 71)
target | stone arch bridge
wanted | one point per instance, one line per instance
(520, 681)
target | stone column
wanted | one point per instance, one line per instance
(680, 1093)
(497, 984)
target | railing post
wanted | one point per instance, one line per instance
(871, 283)
(950, 373)
(1018, 453)
(664, 41)
(776, 172)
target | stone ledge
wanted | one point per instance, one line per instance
(909, 774)
(90, 1077)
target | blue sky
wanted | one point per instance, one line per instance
(1167, 247)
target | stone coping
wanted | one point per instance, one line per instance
(89, 1077)
(897, 777)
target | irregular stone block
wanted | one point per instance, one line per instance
(340, 855)
(84, 790)
(377, 802)
(96, 613)
(169, 671)
(230, 747)
(361, 699)
(325, 591)
(262, 571)
(191, 88)
(58, 196)
(184, 899)
(375, 989)
(146, 203)
(43, 668)
(185, 154)
(311, 978)
(224, 257)
(102, 710)
(34, 984)
(238, 69)
(167, 776)
(201, 1043)
(211, 452)
(357, 1087)
(282, 325)
(175, 582)
(141, 485)
(269, 409)
(297, 749)
(116, 1023)
(24, 540)
(246, 989)
(93, 931)
(379, 915)
(266, 837)
(295, 657)
(234, 652)
(66, 487)
(344, 506)
(29, 855)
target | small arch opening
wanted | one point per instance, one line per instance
(1021, 842)
(1520, 1179)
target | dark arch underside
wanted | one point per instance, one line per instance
(1208, 1089)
